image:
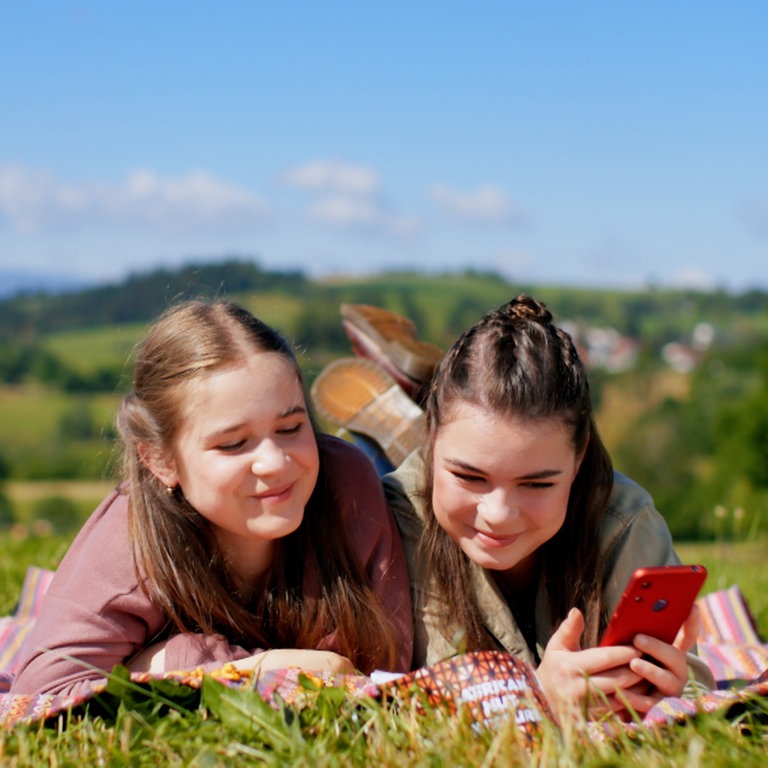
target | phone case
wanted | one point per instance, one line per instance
(656, 602)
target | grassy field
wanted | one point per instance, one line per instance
(32, 414)
(742, 564)
(335, 730)
(46, 433)
(235, 729)
(89, 349)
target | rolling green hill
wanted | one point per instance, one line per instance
(697, 439)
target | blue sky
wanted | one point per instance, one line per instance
(590, 143)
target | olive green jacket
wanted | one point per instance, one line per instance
(632, 534)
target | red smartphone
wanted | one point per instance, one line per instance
(656, 602)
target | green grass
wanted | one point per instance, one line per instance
(63, 505)
(37, 438)
(276, 309)
(32, 414)
(234, 728)
(729, 563)
(238, 730)
(92, 349)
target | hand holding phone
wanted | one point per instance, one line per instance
(656, 602)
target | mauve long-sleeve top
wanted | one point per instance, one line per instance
(96, 613)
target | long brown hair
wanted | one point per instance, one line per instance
(175, 548)
(515, 361)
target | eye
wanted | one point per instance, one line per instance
(292, 430)
(537, 484)
(465, 478)
(231, 447)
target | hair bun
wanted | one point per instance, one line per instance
(525, 307)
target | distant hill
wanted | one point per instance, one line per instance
(440, 304)
(16, 282)
(137, 298)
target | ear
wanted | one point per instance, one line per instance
(162, 467)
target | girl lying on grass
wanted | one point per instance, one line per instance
(519, 536)
(239, 534)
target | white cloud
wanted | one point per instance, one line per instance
(347, 197)
(30, 198)
(36, 201)
(324, 176)
(488, 204)
(347, 212)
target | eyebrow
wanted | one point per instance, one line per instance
(292, 411)
(284, 414)
(541, 474)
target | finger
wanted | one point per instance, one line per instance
(599, 659)
(344, 666)
(664, 656)
(615, 679)
(668, 681)
(688, 634)
(567, 637)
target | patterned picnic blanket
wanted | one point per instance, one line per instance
(729, 643)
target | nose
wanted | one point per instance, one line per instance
(268, 458)
(497, 507)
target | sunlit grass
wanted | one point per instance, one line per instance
(31, 417)
(341, 731)
(90, 349)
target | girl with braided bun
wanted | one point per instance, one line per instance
(519, 535)
(240, 534)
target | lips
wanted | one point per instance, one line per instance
(276, 494)
(494, 540)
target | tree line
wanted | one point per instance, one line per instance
(140, 297)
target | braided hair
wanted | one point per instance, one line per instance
(516, 362)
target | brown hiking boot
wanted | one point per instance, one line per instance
(362, 397)
(390, 340)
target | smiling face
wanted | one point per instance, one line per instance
(246, 457)
(501, 485)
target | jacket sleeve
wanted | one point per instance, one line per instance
(190, 650)
(635, 535)
(94, 615)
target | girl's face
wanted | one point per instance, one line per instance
(246, 457)
(501, 485)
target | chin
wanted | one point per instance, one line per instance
(487, 561)
(278, 530)
(502, 562)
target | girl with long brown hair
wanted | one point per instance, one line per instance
(240, 534)
(519, 535)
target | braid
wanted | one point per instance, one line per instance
(516, 362)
